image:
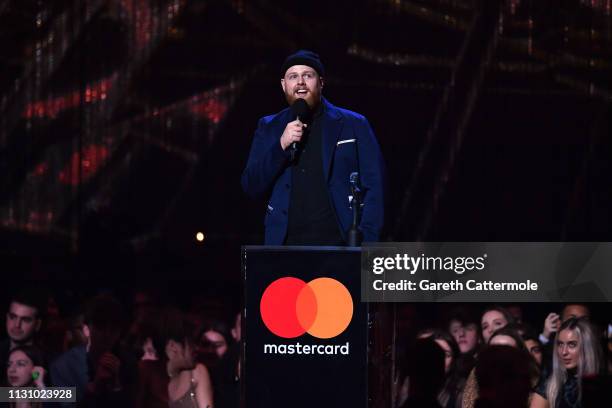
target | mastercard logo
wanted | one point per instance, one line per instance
(291, 307)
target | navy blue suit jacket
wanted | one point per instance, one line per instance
(349, 145)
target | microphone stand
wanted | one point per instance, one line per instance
(354, 235)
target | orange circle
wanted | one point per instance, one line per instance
(334, 308)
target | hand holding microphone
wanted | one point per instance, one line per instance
(292, 134)
(294, 130)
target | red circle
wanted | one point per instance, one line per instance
(279, 307)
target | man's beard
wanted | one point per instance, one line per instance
(311, 98)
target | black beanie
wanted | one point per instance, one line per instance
(303, 57)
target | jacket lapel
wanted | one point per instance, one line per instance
(331, 127)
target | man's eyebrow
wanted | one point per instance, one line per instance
(306, 71)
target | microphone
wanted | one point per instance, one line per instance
(299, 110)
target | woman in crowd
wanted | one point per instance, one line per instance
(152, 389)
(576, 355)
(447, 396)
(214, 339)
(503, 377)
(522, 374)
(452, 381)
(493, 318)
(189, 384)
(218, 350)
(173, 380)
(25, 369)
(424, 374)
(534, 346)
(510, 336)
(507, 336)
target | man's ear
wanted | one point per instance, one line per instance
(38, 324)
(86, 331)
(283, 84)
(322, 82)
(171, 347)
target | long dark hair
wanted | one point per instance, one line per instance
(507, 315)
(219, 326)
(452, 380)
(171, 324)
(510, 331)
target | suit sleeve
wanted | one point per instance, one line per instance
(373, 179)
(57, 371)
(267, 160)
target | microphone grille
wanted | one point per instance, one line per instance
(300, 108)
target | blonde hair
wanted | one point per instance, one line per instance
(589, 358)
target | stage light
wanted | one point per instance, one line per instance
(200, 237)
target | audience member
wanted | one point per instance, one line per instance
(576, 356)
(24, 319)
(101, 372)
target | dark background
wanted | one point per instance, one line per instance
(125, 124)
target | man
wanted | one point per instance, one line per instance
(553, 321)
(463, 326)
(23, 322)
(101, 374)
(309, 194)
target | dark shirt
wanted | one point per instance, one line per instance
(568, 395)
(71, 370)
(5, 347)
(312, 220)
(226, 383)
(75, 368)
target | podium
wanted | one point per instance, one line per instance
(306, 330)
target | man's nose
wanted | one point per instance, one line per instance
(301, 80)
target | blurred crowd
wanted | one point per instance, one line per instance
(141, 352)
(493, 358)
